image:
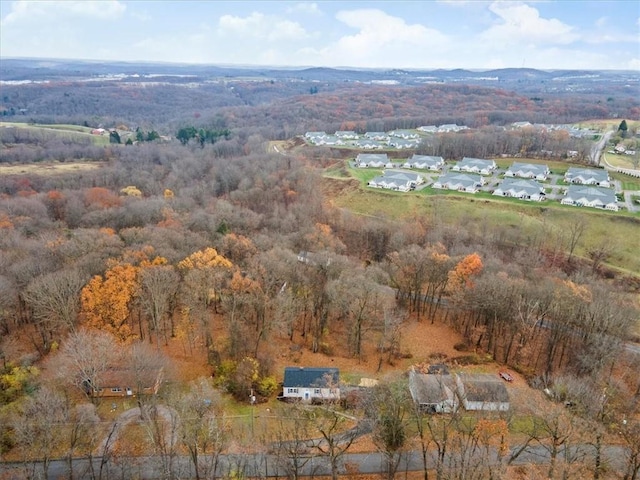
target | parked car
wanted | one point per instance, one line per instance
(506, 376)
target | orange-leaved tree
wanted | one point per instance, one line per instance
(105, 300)
(461, 275)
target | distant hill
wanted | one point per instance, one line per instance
(25, 70)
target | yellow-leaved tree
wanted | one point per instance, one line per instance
(204, 273)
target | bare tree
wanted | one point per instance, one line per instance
(38, 429)
(159, 285)
(148, 370)
(203, 431)
(291, 440)
(54, 299)
(84, 358)
(387, 408)
(336, 438)
(358, 300)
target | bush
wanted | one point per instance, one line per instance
(267, 386)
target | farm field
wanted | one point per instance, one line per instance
(46, 169)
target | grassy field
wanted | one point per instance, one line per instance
(45, 169)
(65, 131)
(484, 214)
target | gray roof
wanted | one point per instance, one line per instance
(484, 388)
(426, 159)
(534, 168)
(310, 377)
(372, 157)
(587, 173)
(530, 187)
(463, 179)
(429, 389)
(476, 162)
(578, 192)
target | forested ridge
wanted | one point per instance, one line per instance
(195, 244)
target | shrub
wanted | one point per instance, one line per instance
(267, 386)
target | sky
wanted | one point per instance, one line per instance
(473, 34)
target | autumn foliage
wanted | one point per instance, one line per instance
(105, 301)
(462, 275)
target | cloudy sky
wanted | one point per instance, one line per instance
(477, 34)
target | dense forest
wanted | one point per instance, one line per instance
(175, 240)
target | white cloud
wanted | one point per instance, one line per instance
(261, 26)
(602, 22)
(519, 22)
(380, 34)
(23, 11)
(306, 8)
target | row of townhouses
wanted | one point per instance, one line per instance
(587, 187)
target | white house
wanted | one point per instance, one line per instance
(528, 170)
(428, 128)
(451, 127)
(425, 162)
(475, 165)
(397, 180)
(523, 189)
(372, 160)
(380, 136)
(406, 134)
(595, 197)
(482, 392)
(369, 144)
(311, 384)
(587, 176)
(462, 182)
(347, 134)
(401, 143)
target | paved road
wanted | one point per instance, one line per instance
(264, 466)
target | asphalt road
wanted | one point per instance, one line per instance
(269, 466)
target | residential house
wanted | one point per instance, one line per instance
(372, 160)
(523, 189)
(587, 176)
(347, 134)
(311, 384)
(397, 180)
(482, 392)
(528, 170)
(587, 196)
(425, 162)
(475, 165)
(433, 393)
(521, 124)
(125, 382)
(380, 136)
(451, 127)
(405, 134)
(428, 128)
(369, 144)
(317, 138)
(401, 143)
(462, 182)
